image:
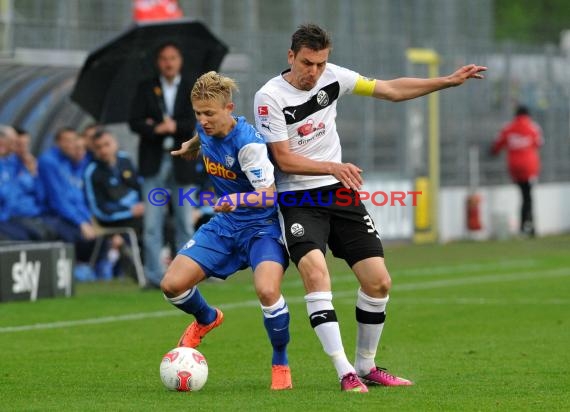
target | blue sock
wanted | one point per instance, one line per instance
(193, 303)
(276, 321)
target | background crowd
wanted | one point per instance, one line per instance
(69, 192)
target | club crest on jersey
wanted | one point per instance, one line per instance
(230, 161)
(322, 98)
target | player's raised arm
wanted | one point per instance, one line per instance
(405, 88)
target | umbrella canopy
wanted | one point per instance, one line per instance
(109, 77)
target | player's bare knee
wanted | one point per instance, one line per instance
(268, 295)
(316, 280)
(385, 285)
(378, 286)
(165, 286)
(168, 285)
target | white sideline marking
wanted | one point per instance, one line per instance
(468, 267)
(506, 277)
(117, 318)
(432, 270)
(472, 301)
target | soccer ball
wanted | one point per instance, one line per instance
(184, 369)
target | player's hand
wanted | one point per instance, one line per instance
(226, 204)
(349, 175)
(471, 71)
(189, 150)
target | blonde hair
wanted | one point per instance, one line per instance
(214, 86)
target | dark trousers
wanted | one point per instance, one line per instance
(71, 233)
(526, 222)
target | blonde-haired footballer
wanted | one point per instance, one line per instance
(244, 232)
(296, 111)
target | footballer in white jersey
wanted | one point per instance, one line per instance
(318, 200)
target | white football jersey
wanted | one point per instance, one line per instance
(307, 119)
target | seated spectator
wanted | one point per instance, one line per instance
(22, 151)
(81, 156)
(113, 190)
(8, 230)
(64, 196)
(26, 203)
(88, 133)
(112, 184)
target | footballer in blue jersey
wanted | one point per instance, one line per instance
(245, 230)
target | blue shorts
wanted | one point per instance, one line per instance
(221, 250)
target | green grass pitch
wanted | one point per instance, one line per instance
(478, 326)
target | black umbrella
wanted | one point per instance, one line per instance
(109, 77)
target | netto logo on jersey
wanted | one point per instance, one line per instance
(218, 169)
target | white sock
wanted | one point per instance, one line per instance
(370, 317)
(321, 311)
(268, 310)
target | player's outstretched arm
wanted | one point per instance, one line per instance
(189, 149)
(406, 88)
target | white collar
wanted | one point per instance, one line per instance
(175, 81)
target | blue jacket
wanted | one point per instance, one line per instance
(29, 194)
(63, 186)
(7, 195)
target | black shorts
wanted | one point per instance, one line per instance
(331, 215)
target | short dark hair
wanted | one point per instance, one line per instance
(310, 36)
(88, 126)
(164, 45)
(19, 131)
(100, 132)
(522, 110)
(63, 130)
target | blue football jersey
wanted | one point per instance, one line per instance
(238, 163)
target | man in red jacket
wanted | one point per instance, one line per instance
(522, 138)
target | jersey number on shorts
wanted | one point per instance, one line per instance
(370, 223)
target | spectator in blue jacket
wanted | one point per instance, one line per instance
(65, 198)
(26, 203)
(8, 230)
